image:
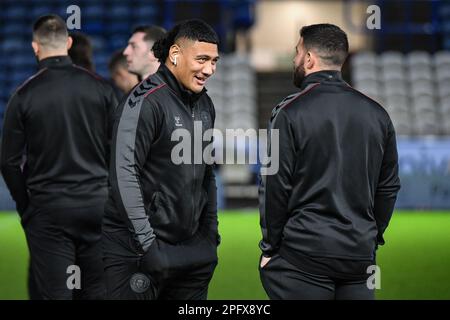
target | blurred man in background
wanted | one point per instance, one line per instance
(61, 119)
(139, 55)
(323, 214)
(81, 52)
(160, 232)
(118, 69)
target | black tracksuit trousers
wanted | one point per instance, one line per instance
(58, 240)
(284, 281)
(166, 272)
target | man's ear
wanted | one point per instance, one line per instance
(69, 42)
(174, 52)
(310, 60)
(35, 46)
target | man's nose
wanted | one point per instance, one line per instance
(209, 69)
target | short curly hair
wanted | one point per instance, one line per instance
(195, 29)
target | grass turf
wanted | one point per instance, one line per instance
(415, 261)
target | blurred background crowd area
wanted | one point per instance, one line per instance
(404, 64)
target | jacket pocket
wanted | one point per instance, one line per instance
(28, 215)
(155, 204)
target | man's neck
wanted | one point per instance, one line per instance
(151, 71)
(323, 68)
(46, 55)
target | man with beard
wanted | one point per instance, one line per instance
(323, 214)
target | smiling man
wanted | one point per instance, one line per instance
(160, 227)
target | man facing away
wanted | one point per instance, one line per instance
(61, 120)
(323, 214)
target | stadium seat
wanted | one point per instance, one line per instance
(40, 9)
(15, 13)
(443, 73)
(442, 59)
(394, 87)
(364, 73)
(388, 74)
(410, 87)
(93, 11)
(392, 59)
(427, 124)
(418, 58)
(364, 59)
(422, 87)
(424, 104)
(146, 11)
(13, 44)
(443, 89)
(420, 72)
(398, 103)
(120, 12)
(402, 123)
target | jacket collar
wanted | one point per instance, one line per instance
(186, 96)
(321, 76)
(56, 61)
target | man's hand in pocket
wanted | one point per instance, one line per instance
(264, 261)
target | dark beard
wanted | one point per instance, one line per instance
(299, 75)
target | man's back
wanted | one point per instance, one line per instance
(341, 156)
(66, 113)
(324, 212)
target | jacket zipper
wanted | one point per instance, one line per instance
(193, 193)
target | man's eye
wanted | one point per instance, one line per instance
(202, 60)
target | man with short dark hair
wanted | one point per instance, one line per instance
(139, 54)
(61, 119)
(323, 214)
(160, 229)
(118, 69)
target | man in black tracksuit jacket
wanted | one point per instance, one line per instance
(60, 122)
(160, 226)
(324, 212)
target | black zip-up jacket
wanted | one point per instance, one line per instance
(60, 121)
(152, 195)
(336, 186)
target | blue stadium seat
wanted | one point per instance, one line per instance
(98, 43)
(22, 60)
(103, 71)
(93, 11)
(119, 12)
(118, 27)
(148, 11)
(40, 10)
(19, 77)
(13, 44)
(117, 42)
(15, 13)
(93, 27)
(16, 29)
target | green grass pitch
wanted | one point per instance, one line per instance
(415, 262)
